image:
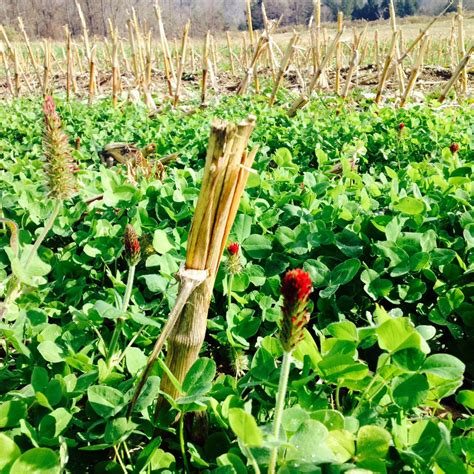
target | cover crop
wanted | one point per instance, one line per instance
(378, 214)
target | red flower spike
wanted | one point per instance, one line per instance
(233, 248)
(454, 148)
(401, 126)
(296, 287)
(132, 245)
(234, 265)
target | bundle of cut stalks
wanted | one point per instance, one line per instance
(225, 175)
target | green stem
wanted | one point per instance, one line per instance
(181, 443)
(127, 451)
(7, 352)
(371, 384)
(230, 281)
(338, 398)
(15, 287)
(130, 344)
(128, 290)
(47, 227)
(121, 320)
(400, 140)
(119, 459)
(280, 406)
(253, 461)
(115, 338)
(169, 374)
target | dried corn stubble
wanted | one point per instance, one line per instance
(225, 176)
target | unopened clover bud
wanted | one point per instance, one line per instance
(132, 245)
(233, 248)
(50, 114)
(295, 288)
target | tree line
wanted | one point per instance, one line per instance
(373, 9)
(369, 10)
(46, 18)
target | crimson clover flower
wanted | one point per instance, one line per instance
(234, 265)
(295, 288)
(132, 245)
(454, 148)
(60, 166)
(401, 126)
(233, 248)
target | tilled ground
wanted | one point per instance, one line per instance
(431, 79)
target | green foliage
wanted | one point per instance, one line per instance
(378, 379)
